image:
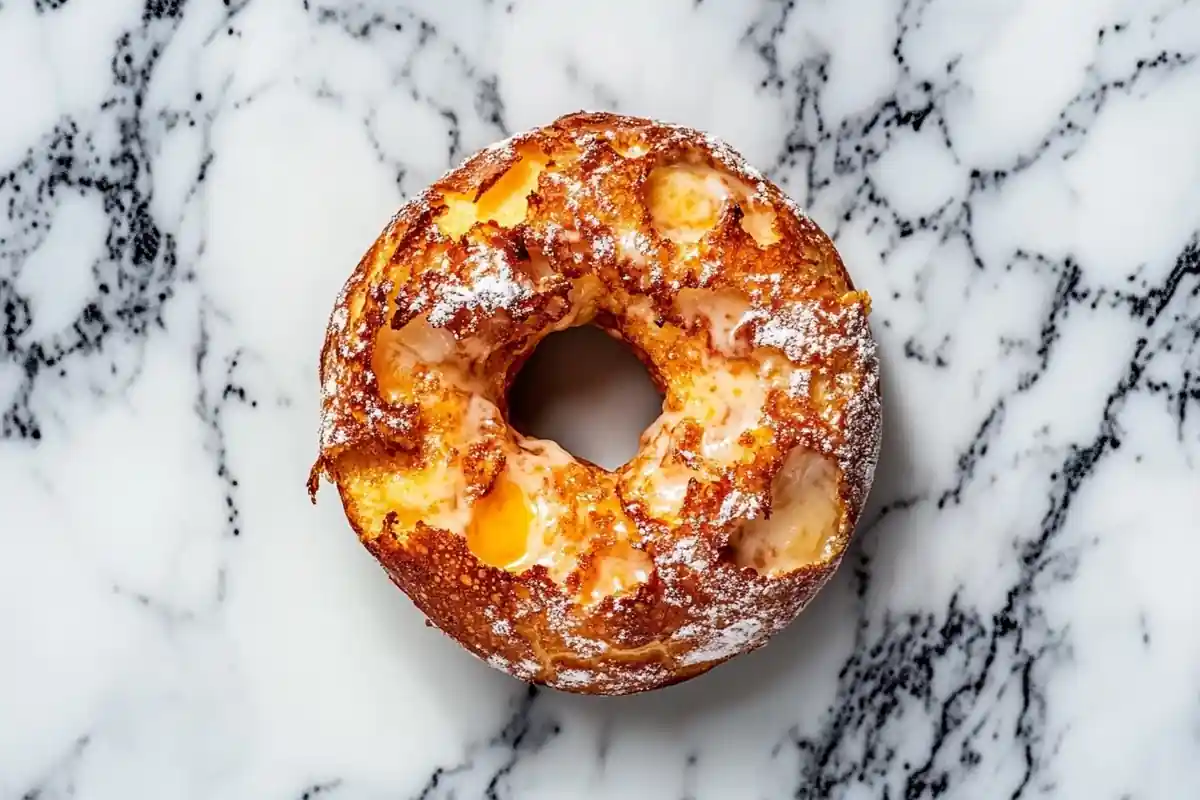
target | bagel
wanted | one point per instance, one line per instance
(744, 493)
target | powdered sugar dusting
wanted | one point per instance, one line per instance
(806, 331)
(799, 383)
(573, 678)
(603, 248)
(493, 285)
(724, 643)
(862, 424)
(525, 669)
(737, 506)
(810, 332)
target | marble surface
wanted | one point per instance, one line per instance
(185, 185)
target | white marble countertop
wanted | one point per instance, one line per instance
(185, 185)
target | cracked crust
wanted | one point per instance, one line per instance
(564, 226)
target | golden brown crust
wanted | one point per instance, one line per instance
(588, 241)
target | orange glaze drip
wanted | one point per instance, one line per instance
(498, 534)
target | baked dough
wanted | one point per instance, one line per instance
(743, 495)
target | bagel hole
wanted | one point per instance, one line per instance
(587, 392)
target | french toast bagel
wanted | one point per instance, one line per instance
(743, 495)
